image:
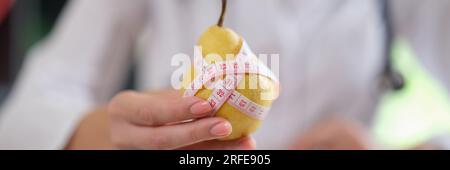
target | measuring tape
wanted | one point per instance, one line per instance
(223, 90)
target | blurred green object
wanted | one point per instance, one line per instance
(416, 113)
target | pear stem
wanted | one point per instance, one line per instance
(222, 14)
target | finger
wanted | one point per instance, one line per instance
(246, 143)
(305, 144)
(307, 141)
(167, 92)
(180, 135)
(144, 109)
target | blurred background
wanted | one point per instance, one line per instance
(405, 118)
(25, 24)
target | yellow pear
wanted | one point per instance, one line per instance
(222, 41)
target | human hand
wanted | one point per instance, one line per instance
(334, 134)
(165, 120)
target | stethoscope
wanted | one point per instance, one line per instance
(391, 77)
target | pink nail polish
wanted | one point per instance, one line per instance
(221, 129)
(200, 108)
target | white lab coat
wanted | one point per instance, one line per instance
(331, 56)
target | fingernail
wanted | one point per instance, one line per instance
(200, 108)
(221, 129)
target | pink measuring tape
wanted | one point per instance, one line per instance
(224, 90)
